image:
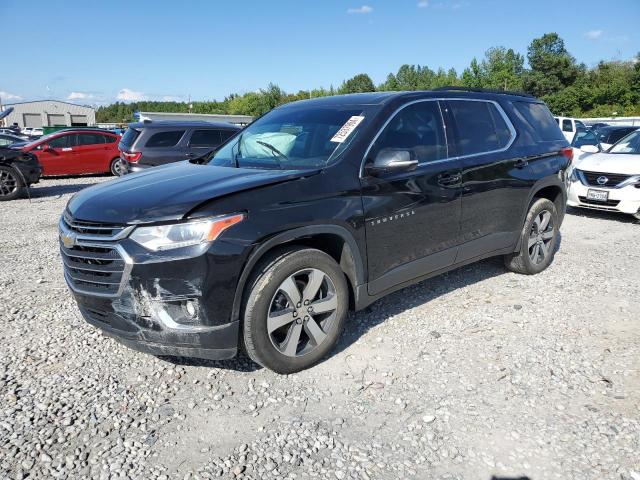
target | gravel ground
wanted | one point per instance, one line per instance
(472, 374)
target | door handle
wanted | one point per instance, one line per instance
(521, 163)
(448, 179)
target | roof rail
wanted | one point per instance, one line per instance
(482, 90)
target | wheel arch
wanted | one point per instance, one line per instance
(334, 240)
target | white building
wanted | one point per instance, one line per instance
(49, 113)
(202, 117)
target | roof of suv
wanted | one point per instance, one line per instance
(183, 124)
(379, 98)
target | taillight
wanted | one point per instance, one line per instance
(131, 157)
(568, 152)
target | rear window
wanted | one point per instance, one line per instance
(129, 137)
(165, 139)
(480, 127)
(543, 127)
(205, 138)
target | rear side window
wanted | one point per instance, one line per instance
(536, 116)
(566, 125)
(480, 126)
(129, 137)
(90, 139)
(205, 138)
(109, 139)
(165, 139)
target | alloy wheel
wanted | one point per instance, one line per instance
(117, 168)
(540, 237)
(8, 183)
(301, 312)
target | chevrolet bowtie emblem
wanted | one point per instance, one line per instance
(68, 239)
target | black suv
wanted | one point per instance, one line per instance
(316, 208)
(148, 144)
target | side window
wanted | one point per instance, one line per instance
(85, 139)
(64, 141)
(109, 139)
(480, 127)
(5, 141)
(227, 134)
(417, 128)
(165, 139)
(566, 125)
(584, 137)
(537, 122)
(205, 138)
(579, 124)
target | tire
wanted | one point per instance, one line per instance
(285, 336)
(539, 239)
(116, 167)
(11, 184)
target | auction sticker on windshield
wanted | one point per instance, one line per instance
(351, 124)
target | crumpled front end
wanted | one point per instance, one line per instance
(165, 303)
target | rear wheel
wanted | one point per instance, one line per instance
(11, 185)
(295, 310)
(538, 241)
(117, 167)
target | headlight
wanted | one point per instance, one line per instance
(178, 235)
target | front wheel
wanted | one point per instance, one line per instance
(117, 167)
(295, 310)
(11, 185)
(538, 241)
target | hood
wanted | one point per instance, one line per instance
(622, 163)
(168, 192)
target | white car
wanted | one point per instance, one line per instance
(608, 180)
(569, 126)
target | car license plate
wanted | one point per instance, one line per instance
(599, 195)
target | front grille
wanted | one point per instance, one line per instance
(92, 228)
(96, 270)
(607, 203)
(613, 179)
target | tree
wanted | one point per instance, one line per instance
(358, 84)
(552, 67)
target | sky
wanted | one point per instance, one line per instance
(97, 52)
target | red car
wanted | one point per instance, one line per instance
(72, 152)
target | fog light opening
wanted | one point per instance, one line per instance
(190, 308)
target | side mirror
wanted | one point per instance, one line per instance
(392, 160)
(589, 149)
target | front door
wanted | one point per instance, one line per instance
(55, 159)
(412, 217)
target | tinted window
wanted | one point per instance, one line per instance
(566, 126)
(65, 141)
(417, 128)
(109, 139)
(227, 134)
(89, 139)
(584, 137)
(579, 124)
(205, 138)
(165, 139)
(619, 134)
(536, 116)
(129, 137)
(480, 127)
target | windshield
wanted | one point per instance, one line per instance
(294, 138)
(629, 144)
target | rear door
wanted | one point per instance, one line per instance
(58, 157)
(89, 153)
(412, 218)
(203, 141)
(480, 134)
(163, 147)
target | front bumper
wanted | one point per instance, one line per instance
(623, 200)
(30, 170)
(165, 303)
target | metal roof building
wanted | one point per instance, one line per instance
(49, 113)
(181, 117)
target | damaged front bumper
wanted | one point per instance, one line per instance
(164, 303)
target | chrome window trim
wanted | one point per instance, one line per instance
(504, 116)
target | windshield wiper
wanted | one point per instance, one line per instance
(276, 153)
